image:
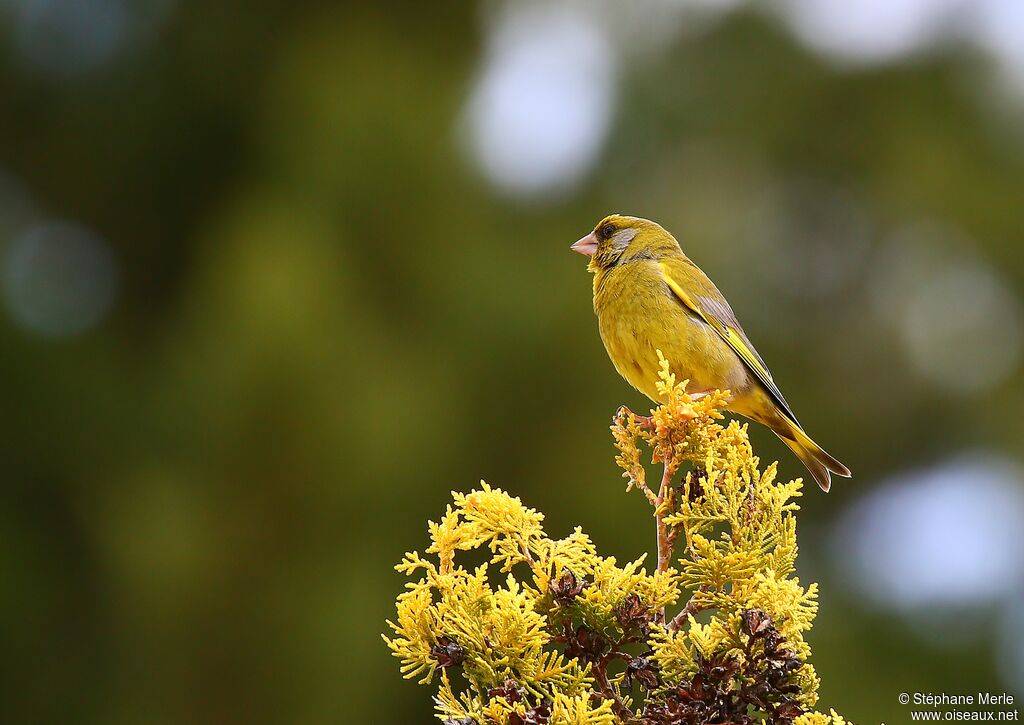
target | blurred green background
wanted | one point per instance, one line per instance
(276, 277)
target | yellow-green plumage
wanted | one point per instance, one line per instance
(649, 296)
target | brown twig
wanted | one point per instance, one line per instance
(526, 553)
(665, 536)
(652, 498)
(601, 677)
(673, 534)
(692, 607)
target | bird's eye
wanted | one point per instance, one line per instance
(607, 230)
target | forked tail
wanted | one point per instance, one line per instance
(820, 464)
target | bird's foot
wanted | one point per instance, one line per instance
(644, 421)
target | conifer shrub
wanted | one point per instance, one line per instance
(549, 631)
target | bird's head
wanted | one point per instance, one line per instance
(619, 239)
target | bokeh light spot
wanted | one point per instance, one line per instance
(999, 25)
(947, 537)
(956, 315)
(59, 279)
(962, 329)
(71, 38)
(869, 30)
(1010, 648)
(809, 238)
(68, 37)
(541, 108)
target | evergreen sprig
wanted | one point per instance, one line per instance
(549, 632)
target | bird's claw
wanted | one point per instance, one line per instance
(624, 413)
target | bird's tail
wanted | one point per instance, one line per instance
(820, 464)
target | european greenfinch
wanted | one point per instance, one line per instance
(649, 296)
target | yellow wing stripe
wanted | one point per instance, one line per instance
(733, 339)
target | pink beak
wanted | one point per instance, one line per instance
(586, 246)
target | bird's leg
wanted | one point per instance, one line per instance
(644, 421)
(697, 396)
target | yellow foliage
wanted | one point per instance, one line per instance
(548, 631)
(816, 718)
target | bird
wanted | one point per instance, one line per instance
(649, 297)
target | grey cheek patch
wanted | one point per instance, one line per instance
(622, 238)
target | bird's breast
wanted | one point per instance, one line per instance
(638, 315)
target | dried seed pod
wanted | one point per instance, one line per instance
(539, 715)
(510, 690)
(756, 623)
(644, 671)
(632, 612)
(448, 652)
(587, 644)
(567, 587)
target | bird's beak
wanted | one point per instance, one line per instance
(586, 246)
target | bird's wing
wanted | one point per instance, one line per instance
(720, 317)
